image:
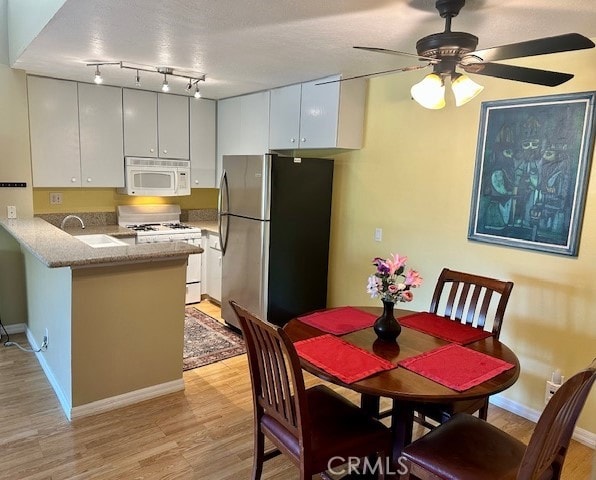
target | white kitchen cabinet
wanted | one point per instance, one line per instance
(155, 124)
(101, 138)
(202, 143)
(242, 126)
(54, 131)
(140, 123)
(213, 269)
(173, 126)
(318, 116)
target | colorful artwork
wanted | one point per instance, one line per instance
(532, 165)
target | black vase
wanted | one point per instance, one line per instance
(386, 326)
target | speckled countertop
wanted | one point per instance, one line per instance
(57, 248)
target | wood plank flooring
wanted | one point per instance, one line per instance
(202, 433)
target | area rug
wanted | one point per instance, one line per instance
(207, 341)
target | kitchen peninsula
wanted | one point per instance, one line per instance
(114, 316)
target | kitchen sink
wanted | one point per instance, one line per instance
(100, 240)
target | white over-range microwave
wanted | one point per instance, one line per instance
(156, 177)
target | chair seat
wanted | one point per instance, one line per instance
(488, 453)
(338, 426)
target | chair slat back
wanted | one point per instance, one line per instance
(472, 299)
(278, 385)
(550, 440)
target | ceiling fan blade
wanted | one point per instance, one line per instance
(396, 52)
(519, 74)
(539, 46)
(385, 72)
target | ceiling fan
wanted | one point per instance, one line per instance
(447, 50)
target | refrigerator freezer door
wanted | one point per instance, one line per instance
(247, 180)
(244, 268)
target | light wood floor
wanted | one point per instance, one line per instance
(202, 433)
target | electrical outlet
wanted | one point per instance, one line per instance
(551, 388)
(55, 198)
(11, 211)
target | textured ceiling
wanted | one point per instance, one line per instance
(251, 45)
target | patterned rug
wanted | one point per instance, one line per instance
(207, 341)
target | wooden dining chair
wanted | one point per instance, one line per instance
(479, 302)
(314, 427)
(468, 448)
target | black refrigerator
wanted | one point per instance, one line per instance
(274, 223)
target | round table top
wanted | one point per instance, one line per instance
(402, 384)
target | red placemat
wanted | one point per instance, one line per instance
(341, 359)
(441, 327)
(339, 321)
(456, 367)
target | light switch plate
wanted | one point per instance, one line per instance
(11, 211)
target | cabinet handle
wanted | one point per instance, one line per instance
(73, 180)
(89, 180)
(196, 182)
(303, 139)
(152, 150)
(165, 151)
(292, 140)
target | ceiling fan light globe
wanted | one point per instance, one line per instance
(464, 89)
(430, 92)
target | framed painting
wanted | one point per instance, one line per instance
(532, 166)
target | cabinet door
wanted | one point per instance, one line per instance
(202, 143)
(54, 131)
(100, 120)
(228, 130)
(140, 123)
(284, 118)
(254, 124)
(214, 268)
(173, 130)
(319, 113)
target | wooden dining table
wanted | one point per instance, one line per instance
(406, 388)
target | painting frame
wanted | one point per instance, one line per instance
(533, 159)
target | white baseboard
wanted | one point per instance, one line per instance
(15, 328)
(62, 397)
(581, 435)
(125, 399)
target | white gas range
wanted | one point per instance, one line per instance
(159, 224)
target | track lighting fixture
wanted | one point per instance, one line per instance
(98, 78)
(165, 87)
(193, 78)
(430, 92)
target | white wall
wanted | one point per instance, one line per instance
(26, 18)
(3, 32)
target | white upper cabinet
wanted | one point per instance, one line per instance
(54, 130)
(101, 139)
(173, 126)
(242, 126)
(318, 116)
(155, 124)
(140, 123)
(202, 143)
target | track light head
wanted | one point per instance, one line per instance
(98, 78)
(197, 91)
(138, 80)
(165, 87)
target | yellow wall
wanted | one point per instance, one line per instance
(107, 199)
(414, 179)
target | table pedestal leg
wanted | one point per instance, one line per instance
(402, 422)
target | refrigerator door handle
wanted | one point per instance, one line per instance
(224, 193)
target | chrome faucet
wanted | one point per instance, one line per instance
(68, 217)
